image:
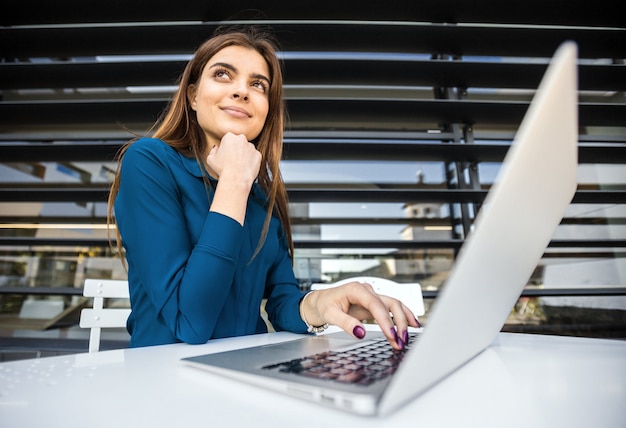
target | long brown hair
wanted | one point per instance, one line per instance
(179, 128)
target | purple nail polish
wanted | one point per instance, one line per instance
(417, 322)
(400, 343)
(405, 336)
(395, 335)
(397, 339)
(359, 332)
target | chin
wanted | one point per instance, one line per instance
(250, 136)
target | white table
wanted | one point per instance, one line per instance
(520, 381)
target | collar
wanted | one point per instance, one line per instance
(191, 166)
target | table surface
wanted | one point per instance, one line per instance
(521, 380)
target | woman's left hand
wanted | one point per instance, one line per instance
(348, 304)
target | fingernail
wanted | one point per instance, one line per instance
(397, 339)
(417, 322)
(359, 332)
(405, 336)
(400, 343)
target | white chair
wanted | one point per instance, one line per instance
(99, 317)
(410, 294)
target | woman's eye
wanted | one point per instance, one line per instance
(259, 84)
(221, 74)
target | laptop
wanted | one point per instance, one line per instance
(532, 190)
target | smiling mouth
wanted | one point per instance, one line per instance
(237, 112)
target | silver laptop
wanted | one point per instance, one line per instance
(525, 205)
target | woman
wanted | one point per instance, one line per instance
(202, 213)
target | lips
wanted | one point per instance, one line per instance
(236, 111)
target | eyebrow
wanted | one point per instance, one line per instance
(234, 70)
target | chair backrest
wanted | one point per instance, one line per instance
(98, 316)
(410, 294)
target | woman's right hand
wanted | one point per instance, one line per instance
(235, 158)
(236, 162)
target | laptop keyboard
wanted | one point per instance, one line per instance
(361, 365)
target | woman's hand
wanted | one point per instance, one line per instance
(235, 158)
(348, 304)
(236, 163)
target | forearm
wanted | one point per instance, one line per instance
(235, 162)
(283, 291)
(231, 196)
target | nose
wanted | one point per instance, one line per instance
(241, 90)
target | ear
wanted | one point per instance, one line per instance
(191, 96)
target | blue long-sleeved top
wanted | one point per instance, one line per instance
(189, 269)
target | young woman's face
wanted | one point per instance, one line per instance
(232, 94)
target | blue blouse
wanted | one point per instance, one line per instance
(190, 272)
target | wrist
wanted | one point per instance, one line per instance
(315, 325)
(238, 176)
(235, 183)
